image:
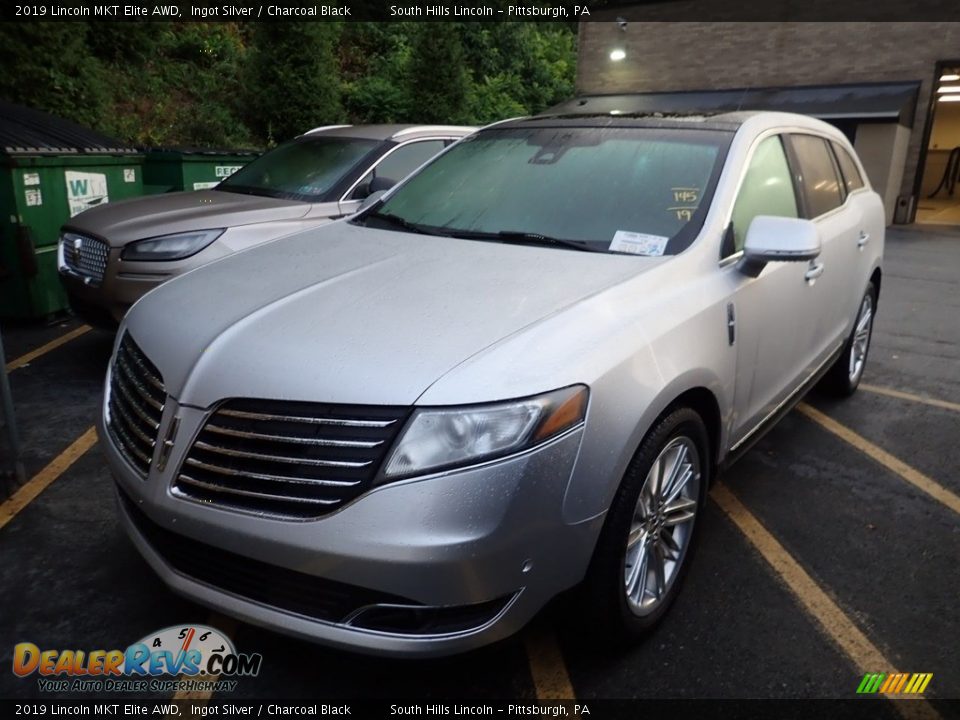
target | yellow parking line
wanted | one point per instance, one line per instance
(39, 482)
(44, 349)
(549, 672)
(855, 645)
(900, 395)
(916, 478)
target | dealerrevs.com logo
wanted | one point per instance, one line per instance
(197, 657)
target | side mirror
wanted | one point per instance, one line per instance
(371, 199)
(379, 183)
(778, 239)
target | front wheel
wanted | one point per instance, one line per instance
(843, 378)
(648, 538)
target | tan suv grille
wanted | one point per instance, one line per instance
(87, 257)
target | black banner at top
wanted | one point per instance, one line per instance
(491, 11)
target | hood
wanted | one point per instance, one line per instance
(122, 222)
(346, 314)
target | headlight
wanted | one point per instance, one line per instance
(171, 247)
(448, 437)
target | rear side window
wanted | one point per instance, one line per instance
(398, 164)
(851, 174)
(403, 161)
(767, 189)
(817, 174)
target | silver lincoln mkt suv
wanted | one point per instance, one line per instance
(516, 372)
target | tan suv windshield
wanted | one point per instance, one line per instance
(304, 169)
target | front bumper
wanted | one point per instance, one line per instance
(124, 282)
(487, 536)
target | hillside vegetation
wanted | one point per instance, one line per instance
(234, 85)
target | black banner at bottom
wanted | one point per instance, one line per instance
(867, 708)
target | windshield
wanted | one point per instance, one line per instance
(304, 169)
(616, 189)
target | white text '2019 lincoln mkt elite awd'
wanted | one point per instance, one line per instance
(515, 373)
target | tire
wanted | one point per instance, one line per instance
(617, 609)
(843, 377)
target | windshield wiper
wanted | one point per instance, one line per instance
(399, 222)
(518, 236)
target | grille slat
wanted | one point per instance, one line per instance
(130, 423)
(133, 415)
(134, 406)
(250, 493)
(275, 478)
(141, 390)
(86, 256)
(149, 373)
(287, 459)
(279, 458)
(310, 420)
(329, 442)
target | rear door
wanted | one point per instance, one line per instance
(860, 248)
(825, 202)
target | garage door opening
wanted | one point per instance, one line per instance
(939, 201)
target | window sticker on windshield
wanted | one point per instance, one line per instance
(638, 243)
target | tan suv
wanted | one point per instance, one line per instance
(110, 256)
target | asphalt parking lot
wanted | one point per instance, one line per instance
(829, 551)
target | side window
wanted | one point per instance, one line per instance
(818, 175)
(396, 166)
(851, 174)
(767, 190)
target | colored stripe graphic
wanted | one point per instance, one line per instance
(894, 683)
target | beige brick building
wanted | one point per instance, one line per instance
(888, 85)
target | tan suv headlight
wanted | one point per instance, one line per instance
(171, 247)
(442, 438)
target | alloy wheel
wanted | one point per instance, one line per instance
(662, 525)
(861, 338)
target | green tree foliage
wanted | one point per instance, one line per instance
(439, 82)
(295, 83)
(238, 85)
(375, 71)
(178, 84)
(518, 68)
(49, 66)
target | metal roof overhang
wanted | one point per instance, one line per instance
(27, 131)
(893, 102)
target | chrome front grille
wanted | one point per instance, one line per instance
(291, 459)
(85, 256)
(135, 405)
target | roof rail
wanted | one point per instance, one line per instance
(431, 128)
(324, 127)
(501, 122)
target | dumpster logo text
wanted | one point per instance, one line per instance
(85, 190)
(180, 650)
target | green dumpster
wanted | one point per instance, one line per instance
(172, 169)
(50, 170)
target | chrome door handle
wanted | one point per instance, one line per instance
(864, 239)
(815, 271)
